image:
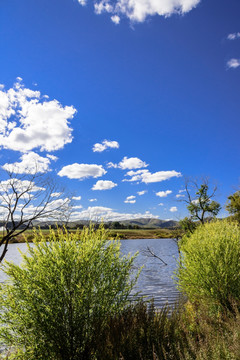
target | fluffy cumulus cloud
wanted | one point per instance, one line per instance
(130, 199)
(82, 171)
(234, 36)
(173, 209)
(138, 10)
(30, 121)
(108, 214)
(92, 200)
(233, 63)
(147, 177)
(164, 193)
(104, 185)
(31, 163)
(99, 147)
(131, 163)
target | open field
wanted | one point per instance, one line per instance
(113, 234)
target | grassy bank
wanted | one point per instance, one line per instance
(121, 234)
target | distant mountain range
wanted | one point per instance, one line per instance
(150, 223)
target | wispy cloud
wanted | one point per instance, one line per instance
(140, 193)
(233, 36)
(100, 147)
(138, 10)
(233, 63)
(76, 198)
(82, 171)
(130, 199)
(104, 185)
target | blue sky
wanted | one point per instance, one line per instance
(158, 81)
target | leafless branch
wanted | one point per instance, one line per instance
(149, 252)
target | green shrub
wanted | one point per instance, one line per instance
(56, 304)
(210, 265)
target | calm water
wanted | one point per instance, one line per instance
(155, 279)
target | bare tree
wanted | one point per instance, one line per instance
(26, 199)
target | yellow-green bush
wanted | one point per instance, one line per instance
(209, 269)
(56, 304)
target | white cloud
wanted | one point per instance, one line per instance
(104, 145)
(140, 193)
(160, 204)
(138, 10)
(77, 207)
(115, 19)
(28, 121)
(181, 191)
(234, 36)
(112, 165)
(195, 202)
(164, 193)
(178, 196)
(131, 163)
(173, 209)
(103, 6)
(19, 185)
(108, 214)
(92, 200)
(82, 171)
(56, 194)
(104, 185)
(30, 163)
(146, 177)
(82, 2)
(76, 198)
(233, 63)
(52, 157)
(159, 176)
(130, 199)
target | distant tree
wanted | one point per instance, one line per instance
(199, 201)
(26, 199)
(233, 206)
(116, 225)
(187, 225)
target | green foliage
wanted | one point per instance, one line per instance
(56, 304)
(187, 225)
(210, 268)
(233, 205)
(203, 204)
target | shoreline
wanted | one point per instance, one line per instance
(121, 234)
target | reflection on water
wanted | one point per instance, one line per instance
(155, 279)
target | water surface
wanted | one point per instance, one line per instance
(155, 279)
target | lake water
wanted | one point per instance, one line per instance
(155, 279)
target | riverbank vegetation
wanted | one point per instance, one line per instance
(72, 299)
(121, 234)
